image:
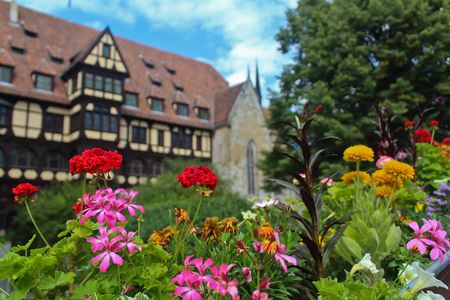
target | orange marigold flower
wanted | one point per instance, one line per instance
(210, 228)
(358, 153)
(399, 170)
(158, 237)
(270, 246)
(181, 215)
(383, 191)
(168, 232)
(380, 177)
(266, 231)
(229, 225)
(361, 176)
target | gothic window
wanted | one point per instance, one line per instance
(5, 74)
(182, 109)
(251, 155)
(55, 160)
(53, 123)
(100, 119)
(136, 167)
(181, 139)
(5, 113)
(157, 104)
(138, 134)
(22, 158)
(131, 99)
(203, 113)
(43, 82)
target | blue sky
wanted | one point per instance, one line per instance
(228, 34)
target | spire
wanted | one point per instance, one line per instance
(257, 85)
(248, 72)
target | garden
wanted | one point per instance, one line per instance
(375, 232)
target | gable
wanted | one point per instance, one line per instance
(246, 105)
(106, 54)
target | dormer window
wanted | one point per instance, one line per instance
(6, 74)
(203, 113)
(157, 104)
(130, 99)
(182, 109)
(43, 82)
(106, 50)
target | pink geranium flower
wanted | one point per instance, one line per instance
(109, 248)
(419, 242)
(226, 286)
(188, 285)
(247, 273)
(127, 240)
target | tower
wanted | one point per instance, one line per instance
(257, 85)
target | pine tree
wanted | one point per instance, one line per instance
(351, 55)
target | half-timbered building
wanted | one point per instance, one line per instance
(65, 87)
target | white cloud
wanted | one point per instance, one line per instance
(247, 27)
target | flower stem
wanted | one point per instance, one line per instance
(35, 225)
(87, 277)
(432, 135)
(4, 292)
(4, 248)
(118, 279)
(197, 211)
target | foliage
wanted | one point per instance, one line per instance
(432, 165)
(352, 56)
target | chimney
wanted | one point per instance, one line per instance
(14, 12)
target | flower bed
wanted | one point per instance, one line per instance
(370, 235)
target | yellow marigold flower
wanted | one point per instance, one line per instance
(158, 237)
(210, 228)
(419, 207)
(399, 170)
(383, 191)
(168, 232)
(181, 215)
(358, 153)
(270, 246)
(380, 177)
(229, 225)
(266, 231)
(361, 176)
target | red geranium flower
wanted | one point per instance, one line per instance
(200, 176)
(77, 207)
(23, 192)
(446, 141)
(422, 136)
(433, 123)
(408, 124)
(95, 160)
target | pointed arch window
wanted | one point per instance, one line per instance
(251, 158)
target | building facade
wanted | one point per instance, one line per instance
(65, 87)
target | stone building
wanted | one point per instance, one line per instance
(65, 87)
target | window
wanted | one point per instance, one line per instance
(157, 104)
(131, 99)
(203, 113)
(181, 139)
(182, 109)
(108, 85)
(160, 137)
(136, 167)
(2, 158)
(55, 160)
(106, 51)
(5, 113)
(98, 83)
(43, 82)
(89, 81)
(53, 123)
(251, 153)
(157, 168)
(75, 122)
(6, 74)
(199, 142)
(23, 158)
(117, 86)
(101, 120)
(138, 134)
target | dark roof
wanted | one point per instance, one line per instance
(224, 102)
(71, 40)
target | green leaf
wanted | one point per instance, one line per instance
(24, 247)
(60, 279)
(22, 287)
(352, 246)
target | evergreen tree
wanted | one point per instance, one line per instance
(352, 55)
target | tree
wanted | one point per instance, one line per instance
(352, 55)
